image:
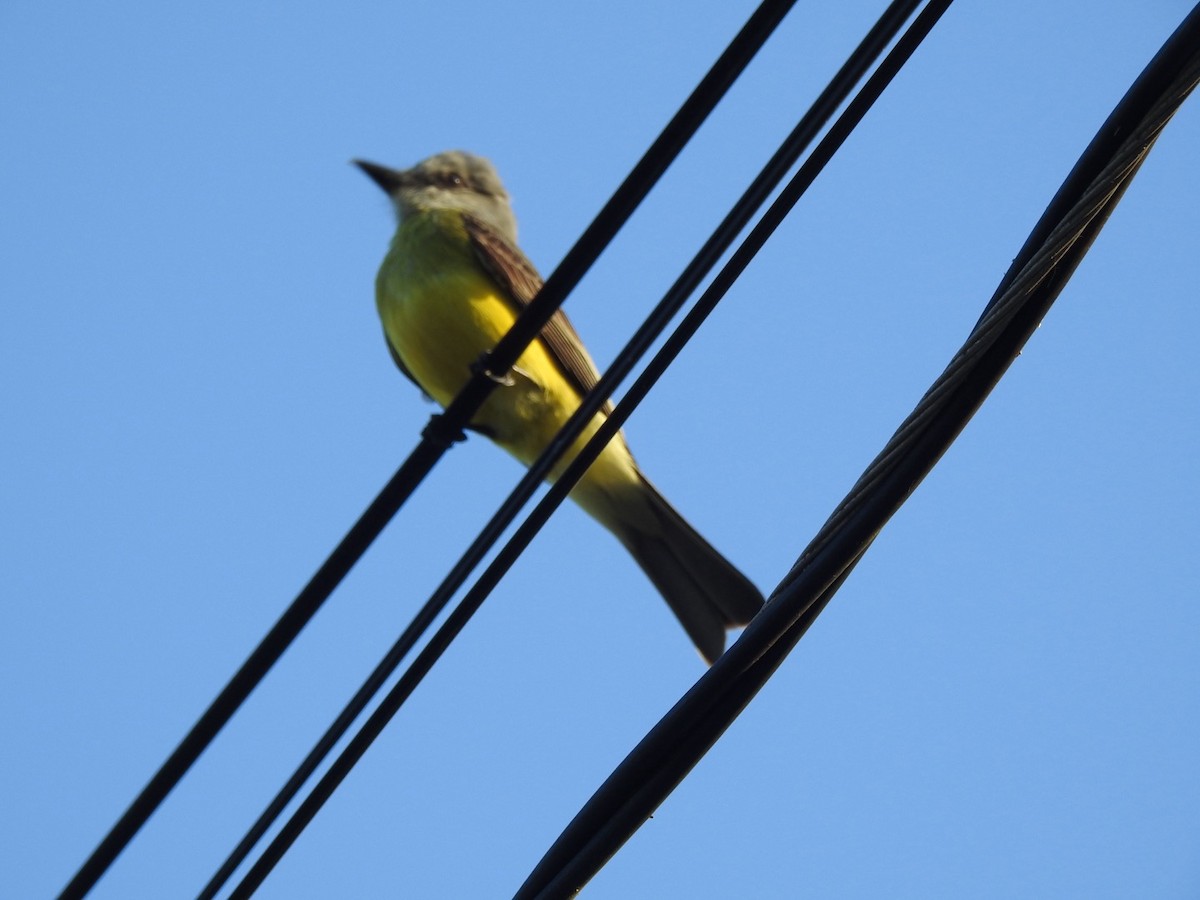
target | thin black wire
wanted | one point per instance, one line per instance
(438, 436)
(767, 180)
(1058, 243)
(377, 721)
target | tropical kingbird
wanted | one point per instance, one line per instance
(450, 286)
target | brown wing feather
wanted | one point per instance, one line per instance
(517, 276)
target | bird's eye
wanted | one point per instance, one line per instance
(451, 180)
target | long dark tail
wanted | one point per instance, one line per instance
(706, 593)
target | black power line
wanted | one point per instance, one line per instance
(1039, 272)
(868, 50)
(442, 431)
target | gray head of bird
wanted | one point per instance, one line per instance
(451, 180)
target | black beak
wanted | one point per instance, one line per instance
(390, 180)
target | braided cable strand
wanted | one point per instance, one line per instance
(1096, 202)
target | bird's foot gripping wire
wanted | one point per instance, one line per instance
(481, 367)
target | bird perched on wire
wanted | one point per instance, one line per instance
(451, 285)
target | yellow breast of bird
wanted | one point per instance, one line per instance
(441, 312)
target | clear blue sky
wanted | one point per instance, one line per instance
(197, 402)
